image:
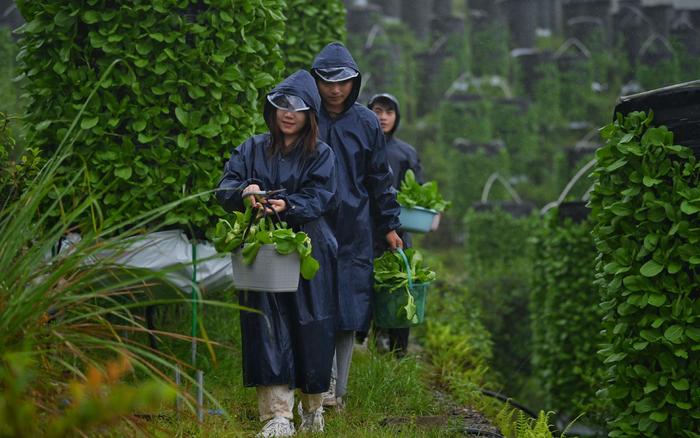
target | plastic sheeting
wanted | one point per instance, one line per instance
(173, 254)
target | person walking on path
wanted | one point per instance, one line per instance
(401, 157)
(291, 343)
(366, 200)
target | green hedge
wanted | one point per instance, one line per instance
(566, 318)
(646, 204)
(188, 89)
(9, 89)
(309, 27)
(499, 264)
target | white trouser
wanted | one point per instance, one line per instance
(278, 401)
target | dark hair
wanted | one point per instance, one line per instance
(308, 137)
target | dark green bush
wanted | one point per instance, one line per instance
(566, 318)
(187, 89)
(17, 168)
(309, 27)
(499, 266)
(646, 205)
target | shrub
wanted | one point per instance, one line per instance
(566, 318)
(186, 90)
(646, 205)
(308, 28)
(499, 260)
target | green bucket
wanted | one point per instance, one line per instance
(388, 306)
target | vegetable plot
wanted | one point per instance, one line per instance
(646, 203)
(391, 276)
(253, 232)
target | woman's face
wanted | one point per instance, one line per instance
(291, 122)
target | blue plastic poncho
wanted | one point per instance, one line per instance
(366, 199)
(297, 348)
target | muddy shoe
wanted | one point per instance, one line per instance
(328, 399)
(277, 427)
(311, 421)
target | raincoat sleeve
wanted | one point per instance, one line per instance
(237, 176)
(315, 196)
(378, 179)
(417, 168)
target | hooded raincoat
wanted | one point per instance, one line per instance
(401, 157)
(366, 200)
(297, 346)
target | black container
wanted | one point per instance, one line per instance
(574, 210)
(677, 107)
(522, 21)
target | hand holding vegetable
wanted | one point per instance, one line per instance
(278, 205)
(253, 200)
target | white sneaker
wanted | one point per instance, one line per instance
(278, 426)
(328, 399)
(311, 421)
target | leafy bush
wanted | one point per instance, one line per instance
(566, 318)
(646, 204)
(15, 174)
(499, 259)
(62, 319)
(8, 88)
(309, 27)
(186, 90)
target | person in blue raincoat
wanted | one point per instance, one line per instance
(296, 349)
(366, 201)
(401, 157)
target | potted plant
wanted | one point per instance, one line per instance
(400, 287)
(266, 254)
(421, 204)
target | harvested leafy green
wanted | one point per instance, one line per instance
(228, 237)
(413, 194)
(390, 276)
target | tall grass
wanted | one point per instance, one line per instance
(70, 331)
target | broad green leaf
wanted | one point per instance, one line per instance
(182, 116)
(651, 268)
(674, 334)
(89, 122)
(123, 172)
(681, 385)
(309, 267)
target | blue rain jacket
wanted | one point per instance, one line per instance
(297, 346)
(366, 200)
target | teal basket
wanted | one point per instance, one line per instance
(417, 219)
(388, 306)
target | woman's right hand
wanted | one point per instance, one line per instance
(253, 200)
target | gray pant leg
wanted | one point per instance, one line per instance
(344, 342)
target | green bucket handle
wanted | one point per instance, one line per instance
(408, 267)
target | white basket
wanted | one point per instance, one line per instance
(270, 272)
